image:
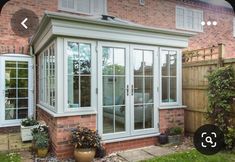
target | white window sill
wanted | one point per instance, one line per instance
(172, 107)
(64, 114)
(10, 125)
(131, 138)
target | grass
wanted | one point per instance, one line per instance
(195, 156)
(11, 157)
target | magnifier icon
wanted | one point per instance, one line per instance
(209, 140)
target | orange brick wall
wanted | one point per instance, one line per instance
(60, 129)
(161, 13)
(170, 118)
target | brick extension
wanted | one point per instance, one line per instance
(60, 128)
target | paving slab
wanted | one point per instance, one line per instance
(135, 155)
(157, 150)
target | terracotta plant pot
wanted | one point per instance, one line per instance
(84, 155)
(42, 152)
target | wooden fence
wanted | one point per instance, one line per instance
(196, 67)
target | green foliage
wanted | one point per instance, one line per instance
(10, 157)
(83, 137)
(41, 140)
(195, 156)
(174, 131)
(220, 96)
(29, 122)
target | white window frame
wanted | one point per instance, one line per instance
(75, 9)
(185, 18)
(93, 107)
(42, 84)
(178, 79)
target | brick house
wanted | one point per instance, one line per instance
(119, 74)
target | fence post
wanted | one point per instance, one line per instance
(221, 53)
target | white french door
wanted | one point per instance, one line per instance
(16, 87)
(127, 90)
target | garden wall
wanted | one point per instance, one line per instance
(195, 85)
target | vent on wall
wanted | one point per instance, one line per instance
(141, 2)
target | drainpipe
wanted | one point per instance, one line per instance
(34, 80)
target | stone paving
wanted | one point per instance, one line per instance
(12, 142)
(144, 153)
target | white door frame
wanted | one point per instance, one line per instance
(155, 128)
(15, 57)
(129, 98)
(100, 91)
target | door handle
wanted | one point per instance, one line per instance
(127, 90)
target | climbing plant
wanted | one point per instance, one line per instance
(221, 92)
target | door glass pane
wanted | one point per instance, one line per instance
(22, 113)
(113, 89)
(10, 114)
(120, 118)
(23, 64)
(108, 90)
(23, 83)
(138, 90)
(139, 117)
(143, 89)
(138, 62)
(148, 95)
(11, 93)
(16, 93)
(149, 116)
(119, 61)
(108, 119)
(10, 103)
(10, 83)
(23, 93)
(107, 60)
(23, 73)
(119, 91)
(148, 62)
(10, 73)
(22, 103)
(10, 64)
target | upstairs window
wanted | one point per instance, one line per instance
(90, 7)
(189, 19)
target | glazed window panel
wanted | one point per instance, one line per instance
(79, 74)
(169, 76)
(47, 77)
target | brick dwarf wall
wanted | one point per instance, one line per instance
(60, 129)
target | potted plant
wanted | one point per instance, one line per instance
(163, 138)
(86, 142)
(42, 144)
(174, 135)
(25, 129)
(39, 129)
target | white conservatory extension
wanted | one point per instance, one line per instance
(108, 74)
